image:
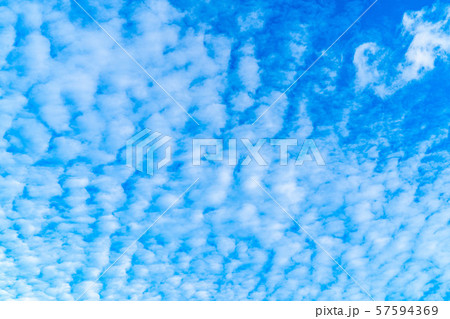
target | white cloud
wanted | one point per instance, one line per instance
(7, 33)
(430, 41)
(67, 148)
(253, 21)
(33, 137)
(366, 73)
(249, 69)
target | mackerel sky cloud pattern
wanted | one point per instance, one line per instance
(376, 105)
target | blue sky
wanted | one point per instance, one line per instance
(376, 104)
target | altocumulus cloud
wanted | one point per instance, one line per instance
(377, 108)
